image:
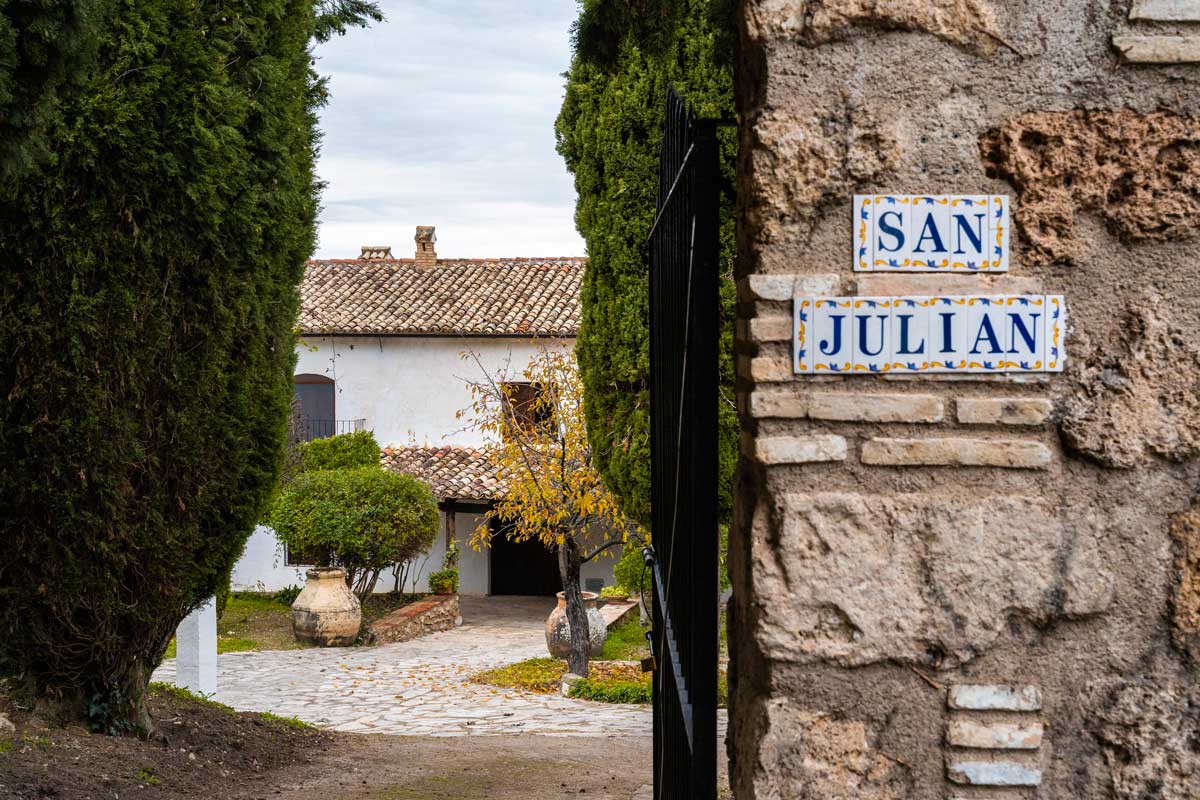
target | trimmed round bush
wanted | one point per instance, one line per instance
(357, 449)
(363, 519)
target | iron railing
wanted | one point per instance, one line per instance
(684, 332)
(308, 429)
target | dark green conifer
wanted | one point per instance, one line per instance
(147, 306)
(627, 54)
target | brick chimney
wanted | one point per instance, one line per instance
(426, 238)
(375, 252)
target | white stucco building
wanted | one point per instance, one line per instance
(383, 344)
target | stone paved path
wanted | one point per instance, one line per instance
(420, 687)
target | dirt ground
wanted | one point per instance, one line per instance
(217, 754)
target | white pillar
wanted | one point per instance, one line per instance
(196, 650)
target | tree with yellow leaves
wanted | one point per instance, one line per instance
(537, 439)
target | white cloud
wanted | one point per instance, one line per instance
(444, 115)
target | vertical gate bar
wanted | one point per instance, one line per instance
(684, 251)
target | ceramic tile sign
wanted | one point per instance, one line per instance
(969, 333)
(931, 233)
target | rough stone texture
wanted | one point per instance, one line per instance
(918, 579)
(935, 568)
(800, 449)
(771, 329)
(789, 402)
(1141, 173)
(994, 735)
(1185, 600)
(415, 619)
(963, 22)
(954, 451)
(809, 755)
(1150, 740)
(1003, 410)
(1139, 400)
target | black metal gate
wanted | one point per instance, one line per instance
(684, 322)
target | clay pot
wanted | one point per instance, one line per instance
(558, 631)
(326, 612)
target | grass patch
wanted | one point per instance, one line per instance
(626, 642)
(295, 723)
(160, 688)
(6, 745)
(607, 681)
(148, 776)
(540, 675)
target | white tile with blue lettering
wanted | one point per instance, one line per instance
(930, 233)
(1056, 332)
(1025, 322)
(969, 245)
(864, 231)
(987, 331)
(872, 334)
(948, 334)
(832, 336)
(802, 326)
(998, 234)
(891, 240)
(910, 334)
(929, 221)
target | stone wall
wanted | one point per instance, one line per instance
(420, 618)
(971, 586)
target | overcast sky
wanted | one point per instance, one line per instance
(444, 115)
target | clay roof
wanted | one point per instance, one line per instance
(454, 473)
(470, 297)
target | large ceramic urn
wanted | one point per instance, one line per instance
(326, 612)
(558, 630)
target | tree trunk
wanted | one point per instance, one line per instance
(568, 567)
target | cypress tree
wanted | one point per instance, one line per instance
(46, 49)
(628, 53)
(147, 306)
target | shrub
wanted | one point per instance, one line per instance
(363, 519)
(444, 581)
(345, 450)
(147, 310)
(287, 595)
(630, 571)
(613, 691)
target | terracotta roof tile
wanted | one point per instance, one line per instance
(458, 473)
(477, 297)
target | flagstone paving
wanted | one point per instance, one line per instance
(420, 687)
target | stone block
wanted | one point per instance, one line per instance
(770, 329)
(957, 452)
(765, 369)
(982, 697)
(433, 614)
(993, 773)
(785, 404)
(863, 407)
(994, 735)
(785, 287)
(800, 449)
(1003, 410)
(1166, 10)
(858, 579)
(1159, 49)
